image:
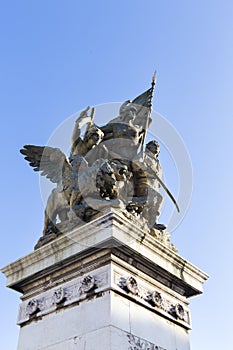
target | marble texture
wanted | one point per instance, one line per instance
(106, 285)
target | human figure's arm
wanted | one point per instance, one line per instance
(80, 121)
(83, 119)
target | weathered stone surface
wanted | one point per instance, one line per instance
(111, 233)
(107, 284)
(109, 166)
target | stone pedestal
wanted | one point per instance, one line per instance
(106, 285)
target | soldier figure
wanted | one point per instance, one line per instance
(147, 170)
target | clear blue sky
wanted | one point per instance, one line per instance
(57, 57)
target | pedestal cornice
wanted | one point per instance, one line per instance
(120, 236)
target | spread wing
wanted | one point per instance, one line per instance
(52, 162)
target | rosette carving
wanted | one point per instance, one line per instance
(179, 311)
(155, 299)
(131, 285)
(32, 307)
(58, 296)
(87, 284)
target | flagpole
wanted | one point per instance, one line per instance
(153, 83)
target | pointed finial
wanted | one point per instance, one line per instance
(154, 79)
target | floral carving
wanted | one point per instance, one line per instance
(179, 311)
(58, 296)
(155, 298)
(122, 283)
(87, 284)
(32, 307)
(131, 285)
(63, 295)
(137, 343)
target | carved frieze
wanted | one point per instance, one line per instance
(137, 343)
(159, 301)
(65, 295)
(78, 289)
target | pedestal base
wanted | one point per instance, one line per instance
(107, 285)
(108, 322)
